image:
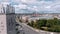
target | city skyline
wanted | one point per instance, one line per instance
(29, 6)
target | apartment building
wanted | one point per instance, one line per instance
(7, 20)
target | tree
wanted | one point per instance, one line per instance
(49, 23)
(41, 23)
(35, 24)
(32, 23)
(20, 20)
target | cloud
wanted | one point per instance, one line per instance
(21, 6)
(35, 5)
(26, 1)
(4, 0)
(42, 5)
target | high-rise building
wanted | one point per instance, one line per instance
(7, 20)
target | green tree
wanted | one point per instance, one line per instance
(41, 23)
(32, 22)
(55, 21)
(50, 23)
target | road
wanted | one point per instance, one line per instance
(28, 30)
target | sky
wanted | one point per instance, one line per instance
(29, 6)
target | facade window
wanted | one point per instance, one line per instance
(1, 11)
(1, 22)
(0, 31)
(9, 23)
(2, 26)
(12, 21)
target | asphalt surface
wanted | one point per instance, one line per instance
(28, 30)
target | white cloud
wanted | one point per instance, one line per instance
(28, 1)
(36, 5)
(4, 0)
(16, 1)
(48, 7)
(5, 3)
(42, 5)
(21, 6)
